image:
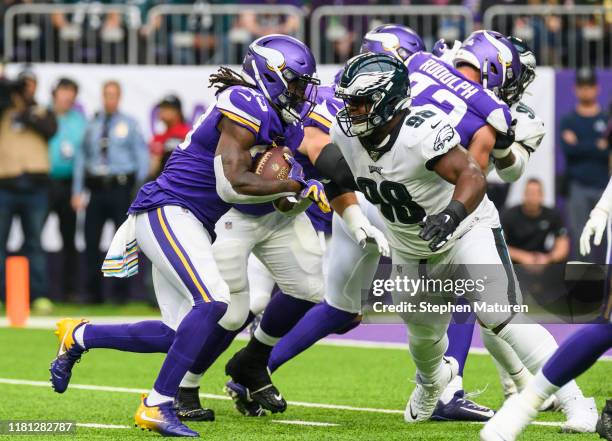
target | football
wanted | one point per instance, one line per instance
(271, 164)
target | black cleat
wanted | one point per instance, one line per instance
(252, 373)
(189, 407)
(243, 401)
(604, 425)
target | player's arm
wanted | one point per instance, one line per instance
(314, 141)
(341, 192)
(234, 181)
(458, 167)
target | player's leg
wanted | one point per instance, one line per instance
(292, 253)
(261, 284)
(577, 354)
(484, 253)
(349, 273)
(235, 236)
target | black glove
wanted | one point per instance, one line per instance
(437, 228)
(505, 140)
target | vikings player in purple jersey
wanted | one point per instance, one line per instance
(573, 357)
(172, 221)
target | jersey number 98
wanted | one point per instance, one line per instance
(395, 202)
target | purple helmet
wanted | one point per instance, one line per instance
(494, 56)
(283, 69)
(398, 41)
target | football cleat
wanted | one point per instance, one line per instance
(254, 376)
(424, 397)
(460, 408)
(604, 425)
(581, 416)
(509, 421)
(243, 401)
(161, 419)
(69, 353)
(189, 407)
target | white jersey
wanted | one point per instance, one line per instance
(402, 186)
(529, 129)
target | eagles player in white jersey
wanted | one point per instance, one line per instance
(435, 210)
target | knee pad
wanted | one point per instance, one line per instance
(231, 259)
(237, 312)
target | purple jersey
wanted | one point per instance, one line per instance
(468, 105)
(321, 117)
(188, 179)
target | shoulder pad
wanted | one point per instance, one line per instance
(244, 106)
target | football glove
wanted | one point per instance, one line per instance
(438, 228)
(503, 141)
(314, 191)
(595, 226)
(296, 173)
(363, 231)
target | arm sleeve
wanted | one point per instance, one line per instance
(333, 167)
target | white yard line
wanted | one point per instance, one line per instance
(103, 426)
(305, 423)
(92, 387)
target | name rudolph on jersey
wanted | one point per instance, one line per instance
(441, 73)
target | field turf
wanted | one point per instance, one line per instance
(377, 379)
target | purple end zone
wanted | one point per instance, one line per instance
(396, 333)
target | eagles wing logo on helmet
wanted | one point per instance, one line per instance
(363, 83)
(445, 134)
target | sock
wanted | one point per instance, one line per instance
(578, 353)
(459, 342)
(191, 380)
(319, 322)
(427, 348)
(501, 351)
(532, 343)
(508, 384)
(155, 398)
(197, 331)
(452, 388)
(538, 391)
(281, 314)
(144, 337)
(78, 335)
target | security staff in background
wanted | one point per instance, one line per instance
(25, 130)
(113, 160)
(62, 149)
(587, 155)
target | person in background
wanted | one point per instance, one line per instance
(587, 153)
(62, 149)
(170, 113)
(535, 233)
(114, 158)
(25, 129)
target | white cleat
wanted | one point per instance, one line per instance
(581, 416)
(424, 397)
(509, 421)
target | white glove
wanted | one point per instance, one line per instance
(596, 225)
(363, 231)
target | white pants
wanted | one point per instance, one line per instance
(261, 281)
(184, 270)
(350, 267)
(289, 248)
(480, 256)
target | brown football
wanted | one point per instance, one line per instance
(271, 164)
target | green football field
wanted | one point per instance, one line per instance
(334, 393)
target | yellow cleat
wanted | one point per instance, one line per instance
(65, 333)
(161, 419)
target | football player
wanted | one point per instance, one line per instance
(573, 357)
(172, 221)
(370, 123)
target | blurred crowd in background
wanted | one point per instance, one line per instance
(141, 32)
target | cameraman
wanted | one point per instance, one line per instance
(25, 129)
